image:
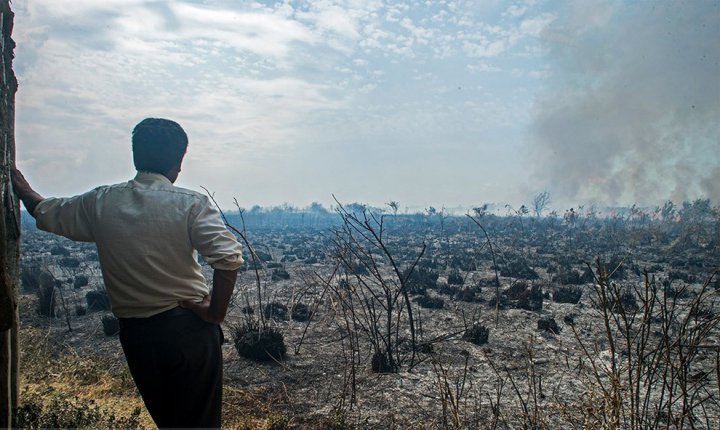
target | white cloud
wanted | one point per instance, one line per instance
(515, 11)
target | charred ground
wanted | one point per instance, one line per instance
(423, 320)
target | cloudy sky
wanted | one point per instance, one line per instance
(442, 103)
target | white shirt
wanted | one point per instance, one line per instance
(148, 233)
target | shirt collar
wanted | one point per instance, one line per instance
(145, 177)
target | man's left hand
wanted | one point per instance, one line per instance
(201, 308)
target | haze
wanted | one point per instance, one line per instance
(442, 103)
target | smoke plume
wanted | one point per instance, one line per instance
(631, 113)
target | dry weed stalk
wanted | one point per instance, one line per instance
(452, 392)
(376, 302)
(652, 377)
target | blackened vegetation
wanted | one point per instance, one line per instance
(522, 295)
(516, 266)
(111, 325)
(280, 274)
(276, 311)
(257, 345)
(430, 302)
(80, 281)
(548, 324)
(97, 300)
(477, 334)
(634, 328)
(420, 279)
(567, 294)
(301, 312)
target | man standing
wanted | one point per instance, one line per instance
(148, 234)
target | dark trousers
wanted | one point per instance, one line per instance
(175, 359)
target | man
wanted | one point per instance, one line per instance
(148, 233)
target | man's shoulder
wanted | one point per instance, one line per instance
(166, 194)
(191, 194)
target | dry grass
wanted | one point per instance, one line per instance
(50, 371)
(62, 381)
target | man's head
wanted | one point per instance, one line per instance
(159, 146)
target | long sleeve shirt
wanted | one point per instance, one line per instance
(148, 234)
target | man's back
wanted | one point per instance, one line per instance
(146, 231)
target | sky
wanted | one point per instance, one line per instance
(428, 103)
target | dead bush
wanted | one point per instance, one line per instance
(477, 334)
(256, 345)
(567, 295)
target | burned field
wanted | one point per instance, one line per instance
(362, 319)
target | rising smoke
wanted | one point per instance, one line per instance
(631, 113)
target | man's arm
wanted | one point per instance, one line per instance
(25, 192)
(213, 308)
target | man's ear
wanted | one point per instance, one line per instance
(173, 173)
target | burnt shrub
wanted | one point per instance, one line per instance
(626, 301)
(301, 312)
(380, 363)
(80, 310)
(618, 267)
(262, 256)
(428, 263)
(531, 299)
(682, 275)
(46, 298)
(69, 262)
(567, 277)
(97, 300)
(276, 311)
(428, 302)
(702, 313)
(257, 345)
(111, 325)
(463, 262)
(455, 278)
(549, 325)
(477, 334)
(469, 294)
(59, 250)
(675, 293)
(32, 278)
(516, 290)
(448, 290)
(587, 276)
(80, 281)
(421, 279)
(567, 295)
(280, 274)
(517, 267)
(485, 282)
(503, 303)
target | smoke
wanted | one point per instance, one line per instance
(631, 112)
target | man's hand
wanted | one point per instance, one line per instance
(24, 191)
(213, 308)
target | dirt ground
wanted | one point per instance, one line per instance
(522, 377)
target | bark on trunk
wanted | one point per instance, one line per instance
(9, 226)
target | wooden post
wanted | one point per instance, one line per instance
(9, 226)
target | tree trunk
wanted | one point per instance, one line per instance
(9, 227)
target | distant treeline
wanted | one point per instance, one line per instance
(318, 216)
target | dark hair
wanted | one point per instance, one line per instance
(158, 145)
